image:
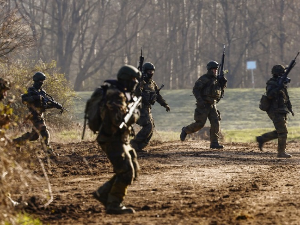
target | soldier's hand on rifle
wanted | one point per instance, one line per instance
(222, 82)
(168, 109)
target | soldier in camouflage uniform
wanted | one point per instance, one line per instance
(207, 92)
(279, 108)
(5, 113)
(115, 141)
(148, 89)
(36, 104)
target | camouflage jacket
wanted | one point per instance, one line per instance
(34, 101)
(112, 115)
(149, 92)
(279, 96)
(207, 89)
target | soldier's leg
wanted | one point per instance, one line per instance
(135, 163)
(200, 117)
(269, 135)
(28, 136)
(123, 167)
(281, 128)
(143, 137)
(42, 129)
(214, 119)
(101, 194)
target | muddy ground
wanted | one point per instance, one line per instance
(179, 183)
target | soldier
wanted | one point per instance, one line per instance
(280, 106)
(35, 101)
(115, 141)
(207, 92)
(149, 91)
(4, 115)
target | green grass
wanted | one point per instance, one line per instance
(248, 135)
(25, 219)
(241, 118)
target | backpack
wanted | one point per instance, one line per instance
(264, 103)
(93, 108)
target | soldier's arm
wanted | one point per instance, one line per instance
(199, 85)
(116, 106)
(32, 95)
(159, 98)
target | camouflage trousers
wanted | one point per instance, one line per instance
(125, 166)
(202, 113)
(280, 124)
(146, 121)
(39, 128)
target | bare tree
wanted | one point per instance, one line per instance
(15, 34)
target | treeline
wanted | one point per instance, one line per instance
(91, 39)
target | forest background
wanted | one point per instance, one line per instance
(91, 39)
(80, 43)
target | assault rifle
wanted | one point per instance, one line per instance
(141, 62)
(132, 106)
(49, 100)
(220, 77)
(284, 78)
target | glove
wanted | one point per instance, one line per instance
(168, 109)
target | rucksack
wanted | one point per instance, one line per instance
(93, 107)
(264, 103)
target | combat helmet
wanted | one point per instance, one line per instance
(4, 85)
(39, 76)
(128, 72)
(126, 77)
(148, 66)
(212, 65)
(278, 69)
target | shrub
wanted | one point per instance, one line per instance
(20, 74)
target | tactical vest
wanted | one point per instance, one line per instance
(279, 102)
(148, 90)
(212, 90)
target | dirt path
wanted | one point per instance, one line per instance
(180, 183)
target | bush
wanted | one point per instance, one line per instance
(20, 74)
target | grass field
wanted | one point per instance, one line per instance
(239, 111)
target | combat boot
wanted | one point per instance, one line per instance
(216, 145)
(260, 142)
(183, 134)
(102, 193)
(114, 206)
(119, 209)
(281, 148)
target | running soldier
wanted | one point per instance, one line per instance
(207, 92)
(115, 141)
(149, 91)
(36, 101)
(279, 108)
